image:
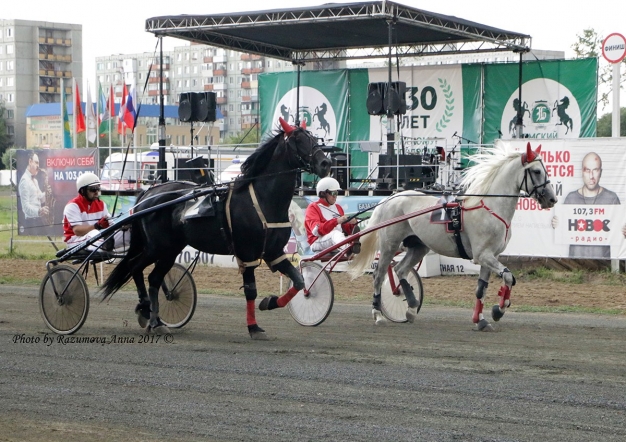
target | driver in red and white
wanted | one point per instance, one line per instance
(85, 215)
(325, 221)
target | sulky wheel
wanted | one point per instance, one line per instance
(313, 308)
(178, 297)
(64, 300)
(393, 304)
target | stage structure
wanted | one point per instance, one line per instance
(359, 30)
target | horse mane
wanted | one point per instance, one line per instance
(255, 164)
(478, 179)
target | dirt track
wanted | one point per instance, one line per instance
(539, 376)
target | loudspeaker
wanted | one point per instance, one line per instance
(396, 96)
(187, 104)
(380, 97)
(375, 93)
(206, 105)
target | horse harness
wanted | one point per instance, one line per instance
(266, 226)
(454, 211)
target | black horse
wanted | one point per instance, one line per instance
(251, 222)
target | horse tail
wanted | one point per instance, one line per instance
(369, 246)
(123, 271)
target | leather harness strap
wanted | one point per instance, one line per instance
(266, 225)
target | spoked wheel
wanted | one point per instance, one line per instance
(64, 300)
(178, 297)
(394, 304)
(314, 308)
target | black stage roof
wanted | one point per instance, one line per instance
(340, 31)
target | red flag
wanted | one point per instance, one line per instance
(111, 103)
(78, 110)
(120, 116)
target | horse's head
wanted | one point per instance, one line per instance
(306, 149)
(536, 182)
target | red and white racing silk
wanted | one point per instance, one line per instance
(79, 211)
(321, 219)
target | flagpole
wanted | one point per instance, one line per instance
(74, 119)
(62, 120)
(98, 119)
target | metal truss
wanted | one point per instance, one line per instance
(230, 31)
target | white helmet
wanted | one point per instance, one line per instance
(327, 183)
(87, 179)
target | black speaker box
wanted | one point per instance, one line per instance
(187, 104)
(206, 105)
(380, 97)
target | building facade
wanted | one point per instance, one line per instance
(231, 75)
(37, 59)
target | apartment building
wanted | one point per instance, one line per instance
(233, 76)
(37, 59)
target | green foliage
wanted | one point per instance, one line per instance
(250, 137)
(7, 156)
(605, 124)
(589, 45)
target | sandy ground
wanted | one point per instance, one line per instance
(594, 290)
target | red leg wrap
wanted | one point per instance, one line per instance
(250, 312)
(504, 294)
(284, 300)
(478, 309)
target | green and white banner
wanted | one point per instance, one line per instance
(558, 99)
(476, 102)
(323, 102)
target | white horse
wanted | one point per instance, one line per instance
(483, 215)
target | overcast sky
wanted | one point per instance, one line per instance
(116, 26)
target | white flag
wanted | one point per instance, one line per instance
(92, 120)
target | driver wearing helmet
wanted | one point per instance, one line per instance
(325, 222)
(85, 215)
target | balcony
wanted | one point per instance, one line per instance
(208, 87)
(245, 98)
(158, 80)
(221, 100)
(157, 67)
(208, 59)
(249, 57)
(219, 86)
(219, 72)
(245, 85)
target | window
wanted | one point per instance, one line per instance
(0, 81)
(10, 130)
(9, 32)
(10, 65)
(10, 98)
(10, 113)
(9, 81)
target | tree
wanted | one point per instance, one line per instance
(589, 45)
(251, 137)
(605, 124)
(5, 139)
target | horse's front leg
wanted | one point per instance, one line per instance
(414, 254)
(286, 268)
(499, 309)
(249, 289)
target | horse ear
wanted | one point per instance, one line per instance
(286, 126)
(303, 124)
(538, 150)
(530, 154)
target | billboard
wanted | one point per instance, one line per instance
(46, 182)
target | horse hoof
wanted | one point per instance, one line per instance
(268, 303)
(257, 333)
(411, 314)
(143, 314)
(379, 319)
(484, 325)
(159, 329)
(496, 313)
